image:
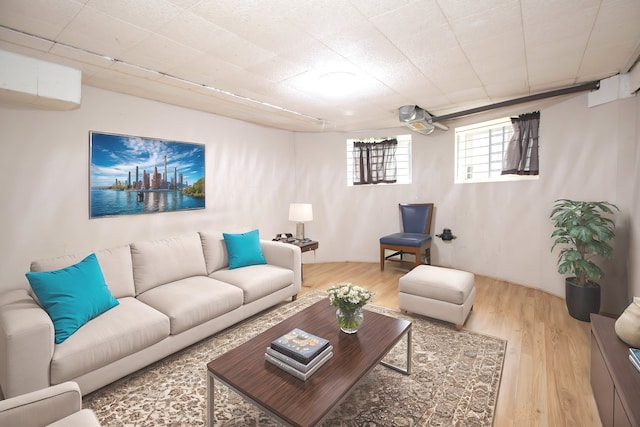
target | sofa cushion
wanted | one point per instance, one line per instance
(163, 261)
(256, 281)
(243, 249)
(117, 333)
(115, 264)
(82, 418)
(73, 295)
(215, 250)
(192, 301)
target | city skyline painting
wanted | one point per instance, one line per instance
(135, 175)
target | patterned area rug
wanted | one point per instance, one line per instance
(454, 381)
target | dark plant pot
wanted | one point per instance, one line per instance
(582, 300)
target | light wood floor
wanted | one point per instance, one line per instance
(545, 379)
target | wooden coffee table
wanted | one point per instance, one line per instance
(306, 403)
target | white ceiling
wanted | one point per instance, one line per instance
(261, 60)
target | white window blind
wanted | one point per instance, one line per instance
(403, 159)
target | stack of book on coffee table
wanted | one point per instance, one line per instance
(299, 353)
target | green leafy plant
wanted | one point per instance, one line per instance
(584, 228)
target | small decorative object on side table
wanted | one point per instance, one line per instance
(349, 299)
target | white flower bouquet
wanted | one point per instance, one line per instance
(348, 297)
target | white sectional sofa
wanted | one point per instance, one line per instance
(56, 406)
(172, 293)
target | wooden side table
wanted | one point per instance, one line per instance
(305, 246)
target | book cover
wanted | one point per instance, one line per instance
(293, 371)
(300, 345)
(634, 363)
(297, 365)
(635, 353)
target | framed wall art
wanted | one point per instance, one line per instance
(136, 175)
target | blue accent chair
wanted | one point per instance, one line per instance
(415, 238)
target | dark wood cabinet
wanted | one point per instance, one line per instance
(620, 417)
(614, 380)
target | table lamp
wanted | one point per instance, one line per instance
(300, 213)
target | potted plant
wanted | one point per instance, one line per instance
(583, 228)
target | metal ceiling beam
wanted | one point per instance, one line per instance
(558, 92)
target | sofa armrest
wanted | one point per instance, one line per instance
(286, 256)
(41, 407)
(26, 344)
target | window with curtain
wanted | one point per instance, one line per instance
(482, 150)
(379, 161)
(521, 157)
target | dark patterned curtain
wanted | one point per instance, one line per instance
(374, 162)
(521, 156)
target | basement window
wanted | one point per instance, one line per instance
(479, 151)
(402, 160)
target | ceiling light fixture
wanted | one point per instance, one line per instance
(170, 76)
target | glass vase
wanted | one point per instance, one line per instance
(350, 320)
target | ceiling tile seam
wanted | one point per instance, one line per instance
(524, 48)
(586, 46)
(224, 28)
(338, 54)
(349, 60)
(431, 82)
(475, 73)
(63, 29)
(170, 76)
(634, 59)
(151, 33)
(378, 29)
(355, 64)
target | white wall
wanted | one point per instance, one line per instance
(503, 229)
(253, 173)
(633, 260)
(44, 159)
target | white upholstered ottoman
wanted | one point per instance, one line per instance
(438, 292)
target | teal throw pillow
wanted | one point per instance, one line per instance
(73, 295)
(244, 249)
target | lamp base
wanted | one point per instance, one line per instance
(300, 231)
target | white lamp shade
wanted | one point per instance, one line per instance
(300, 212)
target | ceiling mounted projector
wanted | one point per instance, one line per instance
(416, 119)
